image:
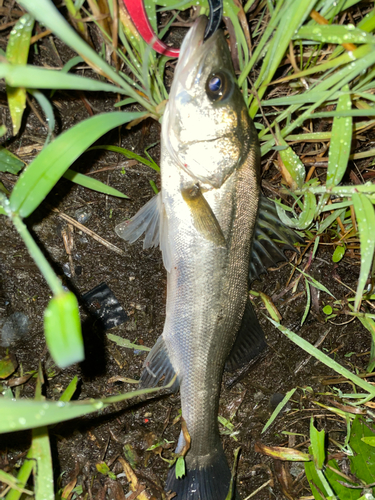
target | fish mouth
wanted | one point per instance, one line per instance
(192, 53)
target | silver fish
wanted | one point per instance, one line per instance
(204, 221)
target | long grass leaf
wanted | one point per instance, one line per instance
(365, 215)
(70, 390)
(9, 162)
(32, 77)
(27, 413)
(341, 140)
(334, 34)
(278, 409)
(48, 111)
(94, 184)
(40, 455)
(42, 174)
(129, 154)
(62, 328)
(17, 53)
(323, 358)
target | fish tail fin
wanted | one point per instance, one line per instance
(206, 478)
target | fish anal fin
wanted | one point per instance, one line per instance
(250, 341)
(203, 217)
(158, 366)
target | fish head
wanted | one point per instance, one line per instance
(206, 126)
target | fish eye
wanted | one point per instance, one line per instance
(215, 84)
(218, 86)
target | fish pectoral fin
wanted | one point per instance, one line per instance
(271, 238)
(203, 217)
(146, 221)
(158, 365)
(250, 340)
(151, 220)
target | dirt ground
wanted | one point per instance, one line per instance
(138, 280)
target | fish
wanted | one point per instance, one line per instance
(213, 242)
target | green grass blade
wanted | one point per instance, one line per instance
(339, 149)
(32, 77)
(126, 343)
(296, 171)
(48, 111)
(308, 301)
(70, 390)
(129, 154)
(71, 63)
(329, 220)
(42, 174)
(40, 455)
(94, 184)
(17, 53)
(9, 162)
(278, 409)
(365, 215)
(317, 445)
(33, 249)
(62, 329)
(25, 414)
(315, 283)
(323, 358)
(330, 33)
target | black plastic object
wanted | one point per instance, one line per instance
(214, 19)
(105, 307)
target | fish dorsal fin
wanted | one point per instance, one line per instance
(203, 217)
(250, 340)
(151, 220)
(158, 365)
(271, 239)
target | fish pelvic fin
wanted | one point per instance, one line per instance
(250, 341)
(271, 239)
(203, 217)
(206, 478)
(152, 222)
(158, 366)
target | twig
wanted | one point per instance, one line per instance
(89, 232)
(258, 489)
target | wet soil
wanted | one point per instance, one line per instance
(138, 280)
